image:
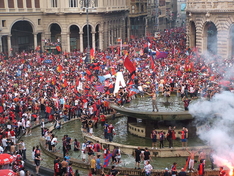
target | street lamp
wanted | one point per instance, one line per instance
(85, 5)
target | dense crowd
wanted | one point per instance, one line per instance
(42, 85)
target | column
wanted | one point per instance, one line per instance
(35, 40)
(42, 41)
(64, 41)
(68, 42)
(24, 4)
(100, 40)
(128, 29)
(112, 37)
(6, 5)
(81, 42)
(16, 5)
(33, 5)
(93, 41)
(9, 44)
(0, 43)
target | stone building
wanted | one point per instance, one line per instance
(210, 26)
(137, 17)
(26, 24)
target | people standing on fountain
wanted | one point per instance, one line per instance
(174, 169)
(222, 172)
(137, 155)
(184, 133)
(83, 151)
(161, 139)
(170, 136)
(154, 100)
(147, 156)
(93, 165)
(201, 168)
(166, 173)
(64, 165)
(153, 137)
(105, 130)
(76, 145)
(37, 159)
(22, 149)
(211, 159)
(202, 155)
(42, 127)
(110, 132)
(182, 172)
(191, 91)
(90, 127)
(191, 157)
(147, 168)
(186, 103)
(54, 142)
(167, 92)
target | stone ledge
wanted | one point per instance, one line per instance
(122, 170)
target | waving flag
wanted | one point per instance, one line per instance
(59, 68)
(129, 65)
(99, 88)
(152, 62)
(107, 160)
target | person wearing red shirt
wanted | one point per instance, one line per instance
(201, 168)
(222, 172)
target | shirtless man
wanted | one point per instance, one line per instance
(202, 156)
(154, 98)
(192, 154)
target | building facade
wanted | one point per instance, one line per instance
(137, 17)
(210, 26)
(27, 24)
(181, 13)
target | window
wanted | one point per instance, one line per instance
(54, 3)
(37, 3)
(11, 3)
(28, 4)
(3, 23)
(20, 3)
(72, 3)
(2, 5)
(39, 22)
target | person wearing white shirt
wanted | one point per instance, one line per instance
(28, 127)
(54, 143)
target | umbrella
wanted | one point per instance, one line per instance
(48, 61)
(6, 159)
(7, 172)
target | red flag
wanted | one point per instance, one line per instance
(65, 84)
(53, 80)
(77, 81)
(59, 68)
(92, 53)
(151, 62)
(58, 48)
(129, 65)
(113, 72)
(88, 72)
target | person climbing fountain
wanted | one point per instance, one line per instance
(167, 93)
(154, 100)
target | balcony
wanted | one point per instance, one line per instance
(210, 5)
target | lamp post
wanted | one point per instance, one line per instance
(85, 5)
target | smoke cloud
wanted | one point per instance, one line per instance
(216, 121)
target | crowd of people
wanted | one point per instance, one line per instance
(41, 85)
